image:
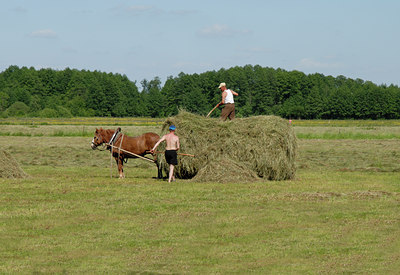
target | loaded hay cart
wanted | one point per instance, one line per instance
(245, 149)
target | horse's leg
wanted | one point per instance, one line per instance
(122, 167)
(120, 163)
(159, 171)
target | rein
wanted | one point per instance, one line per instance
(103, 145)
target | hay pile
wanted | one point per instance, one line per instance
(245, 149)
(9, 167)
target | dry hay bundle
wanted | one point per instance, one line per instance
(244, 149)
(9, 167)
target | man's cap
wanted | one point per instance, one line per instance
(172, 127)
(221, 85)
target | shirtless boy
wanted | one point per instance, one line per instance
(172, 146)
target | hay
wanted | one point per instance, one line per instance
(244, 149)
(211, 172)
(9, 167)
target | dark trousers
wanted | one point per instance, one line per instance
(228, 111)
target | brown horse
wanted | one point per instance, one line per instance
(140, 146)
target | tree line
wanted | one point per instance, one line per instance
(262, 91)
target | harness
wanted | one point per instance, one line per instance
(114, 138)
(117, 134)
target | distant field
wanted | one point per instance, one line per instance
(142, 121)
(341, 214)
(348, 132)
(84, 127)
(137, 121)
(71, 130)
(345, 123)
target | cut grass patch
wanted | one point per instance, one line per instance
(77, 220)
(346, 123)
(349, 155)
(356, 136)
(353, 133)
(339, 215)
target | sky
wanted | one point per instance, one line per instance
(162, 38)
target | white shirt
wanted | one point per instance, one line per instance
(229, 96)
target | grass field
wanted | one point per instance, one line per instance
(340, 215)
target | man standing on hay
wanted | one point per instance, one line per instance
(171, 148)
(227, 100)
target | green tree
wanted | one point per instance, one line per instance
(341, 104)
(3, 101)
(153, 98)
(35, 104)
(17, 109)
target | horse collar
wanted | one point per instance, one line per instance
(115, 136)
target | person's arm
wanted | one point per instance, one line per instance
(224, 94)
(234, 93)
(177, 144)
(156, 145)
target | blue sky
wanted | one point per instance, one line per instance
(145, 39)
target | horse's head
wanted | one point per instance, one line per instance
(98, 138)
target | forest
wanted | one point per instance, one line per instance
(30, 92)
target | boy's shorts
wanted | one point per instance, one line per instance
(171, 156)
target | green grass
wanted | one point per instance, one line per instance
(145, 121)
(89, 121)
(69, 130)
(302, 132)
(353, 136)
(349, 155)
(78, 220)
(346, 123)
(348, 132)
(339, 215)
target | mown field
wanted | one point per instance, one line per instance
(341, 214)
